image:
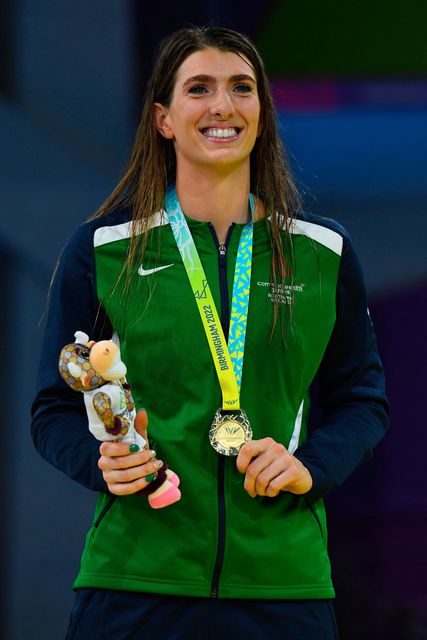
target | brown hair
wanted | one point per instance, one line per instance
(152, 164)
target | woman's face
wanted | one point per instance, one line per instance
(213, 117)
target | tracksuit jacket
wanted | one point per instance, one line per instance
(217, 540)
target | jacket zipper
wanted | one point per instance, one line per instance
(225, 323)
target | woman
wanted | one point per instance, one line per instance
(203, 238)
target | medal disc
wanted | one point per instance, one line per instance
(229, 432)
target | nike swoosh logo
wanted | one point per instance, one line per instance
(148, 272)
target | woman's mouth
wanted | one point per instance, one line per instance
(214, 133)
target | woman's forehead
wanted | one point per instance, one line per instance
(215, 63)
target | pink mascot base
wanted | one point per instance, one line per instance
(96, 369)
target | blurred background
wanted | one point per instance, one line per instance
(350, 85)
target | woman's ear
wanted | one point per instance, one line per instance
(161, 121)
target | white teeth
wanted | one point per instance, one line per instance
(220, 133)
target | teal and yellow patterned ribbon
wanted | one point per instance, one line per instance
(228, 359)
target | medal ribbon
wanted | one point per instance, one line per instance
(228, 359)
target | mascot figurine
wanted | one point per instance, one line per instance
(96, 369)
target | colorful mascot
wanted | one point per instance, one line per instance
(96, 369)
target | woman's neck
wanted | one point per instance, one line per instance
(219, 199)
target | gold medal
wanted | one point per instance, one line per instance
(229, 432)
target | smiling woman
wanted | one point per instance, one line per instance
(173, 264)
(224, 98)
(153, 163)
(213, 120)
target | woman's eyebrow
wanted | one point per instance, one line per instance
(241, 77)
(199, 78)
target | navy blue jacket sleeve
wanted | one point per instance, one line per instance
(351, 388)
(60, 426)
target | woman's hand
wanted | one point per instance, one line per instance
(126, 472)
(270, 468)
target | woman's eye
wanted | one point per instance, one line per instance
(243, 88)
(197, 89)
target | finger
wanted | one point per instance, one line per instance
(250, 450)
(113, 449)
(255, 468)
(268, 477)
(273, 451)
(296, 479)
(127, 488)
(126, 461)
(277, 484)
(119, 476)
(141, 423)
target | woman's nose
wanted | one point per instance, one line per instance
(222, 104)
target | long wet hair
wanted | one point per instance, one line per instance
(152, 164)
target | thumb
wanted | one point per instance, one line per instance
(141, 422)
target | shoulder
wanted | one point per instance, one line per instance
(77, 256)
(319, 229)
(88, 233)
(115, 226)
(334, 236)
(321, 221)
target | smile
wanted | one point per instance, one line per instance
(215, 133)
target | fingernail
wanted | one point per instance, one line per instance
(152, 454)
(133, 448)
(158, 464)
(150, 477)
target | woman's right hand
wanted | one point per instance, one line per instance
(125, 472)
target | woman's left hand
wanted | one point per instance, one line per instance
(270, 468)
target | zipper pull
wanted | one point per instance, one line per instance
(222, 249)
